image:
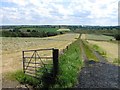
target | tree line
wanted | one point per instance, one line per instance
(28, 33)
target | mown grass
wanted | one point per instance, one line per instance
(89, 52)
(70, 64)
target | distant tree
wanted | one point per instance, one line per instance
(117, 36)
(51, 34)
(61, 32)
(33, 30)
(10, 30)
(28, 30)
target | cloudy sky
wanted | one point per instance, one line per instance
(65, 12)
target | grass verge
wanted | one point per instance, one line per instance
(22, 78)
(89, 52)
(70, 63)
(99, 50)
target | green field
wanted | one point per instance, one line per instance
(98, 37)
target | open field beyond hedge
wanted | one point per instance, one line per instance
(12, 48)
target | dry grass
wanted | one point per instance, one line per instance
(63, 30)
(83, 36)
(110, 48)
(12, 48)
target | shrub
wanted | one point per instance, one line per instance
(117, 36)
(51, 34)
(28, 30)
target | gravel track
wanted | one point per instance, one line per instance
(99, 74)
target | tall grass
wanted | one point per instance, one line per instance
(69, 65)
(24, 79)
(99, 50)
(89, 52)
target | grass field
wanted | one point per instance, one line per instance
(12, 48)
(98, 37)
(70, 63)
(111, 49)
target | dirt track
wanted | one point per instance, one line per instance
(98, 74)
(110, 48)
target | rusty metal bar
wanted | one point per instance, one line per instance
(40, 57)
(34, 67)
(30, 69)
(30, 72)
(30, 59)
(35, 61)
(38, 50)
(32, 62)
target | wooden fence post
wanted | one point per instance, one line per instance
(63, 50)
(67, 47)
(23, 61)
(55, 61)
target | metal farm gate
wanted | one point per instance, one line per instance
(35, 60)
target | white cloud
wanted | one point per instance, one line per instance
(18, 2)
(101, 10)
(60, 11)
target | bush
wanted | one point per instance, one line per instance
(51, 34)
(117, 36)
(61, 33)
(33, 30)
(28, 30)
